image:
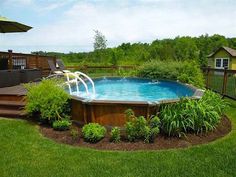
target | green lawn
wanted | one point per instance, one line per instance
(24, 152)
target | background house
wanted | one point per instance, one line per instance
(223, 57)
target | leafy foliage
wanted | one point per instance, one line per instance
(192, 115)
(187, 72)
(178, 49)
(213, 99)
(115, 134)
(150, 134)
(155, 122)
(61, 125)
(100, 40)
(139, 128)
(48, 99)
(74, 133)
(93, 132)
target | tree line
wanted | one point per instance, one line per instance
(177, 49)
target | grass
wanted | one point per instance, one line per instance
(24, 152)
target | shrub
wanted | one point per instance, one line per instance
(150, 134)
(135, 128)
(192, 115)
(155, 122)
(147, 134)
(129, 114)
(115, 135)
(187, 72)
(74, 134)
(93, 132)
(130, 131)
(48, 99)
(159, 70)
(155, 131)
(190, 72)
(61, 125)
(138, 127)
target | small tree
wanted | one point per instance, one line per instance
(100, 41)
(113, 59)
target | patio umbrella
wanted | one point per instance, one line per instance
(10, 26)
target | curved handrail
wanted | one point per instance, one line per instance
(90, 80)
(76, 80)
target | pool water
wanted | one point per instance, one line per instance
(133, 89)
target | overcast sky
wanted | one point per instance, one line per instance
(67, 25)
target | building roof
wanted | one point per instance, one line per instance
(231, 51)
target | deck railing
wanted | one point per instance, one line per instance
(222, 81)
(112, 70)
(25, 61)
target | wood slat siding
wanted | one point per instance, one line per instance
(109, 113)
(32, 61)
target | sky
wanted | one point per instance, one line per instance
(68, 25)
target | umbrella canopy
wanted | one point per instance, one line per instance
(9, 26)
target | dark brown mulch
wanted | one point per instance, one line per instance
(161, 142)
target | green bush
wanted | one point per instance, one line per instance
(135, 128)
(48, 99)
(150, 134)
(130, 131)
(155, 122)
(147, 134)
(187, 72)
(93, 132)
(138, 127)
(192, 115)
(61, 125)
(115, 134)
(74, 134)
(190, 73)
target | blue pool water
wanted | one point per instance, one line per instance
(132, 89)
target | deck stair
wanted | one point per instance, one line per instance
(12, 102)
(12, 107)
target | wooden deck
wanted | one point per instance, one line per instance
(14, 90)
(12, 101)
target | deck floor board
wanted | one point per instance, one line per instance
(14, 90)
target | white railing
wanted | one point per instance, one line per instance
(73, 78)
(76, 79)
(89, 79)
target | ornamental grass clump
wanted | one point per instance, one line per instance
(189, 115)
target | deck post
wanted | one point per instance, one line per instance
(85, 113)
(10, 62)
(92, 114)
(208, 76)
(224, 81)
(55, 60)
(37, 60)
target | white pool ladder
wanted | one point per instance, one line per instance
(75, 78)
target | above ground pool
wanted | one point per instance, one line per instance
(114, 96)
(134, 89)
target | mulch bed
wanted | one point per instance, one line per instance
(161, 142)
